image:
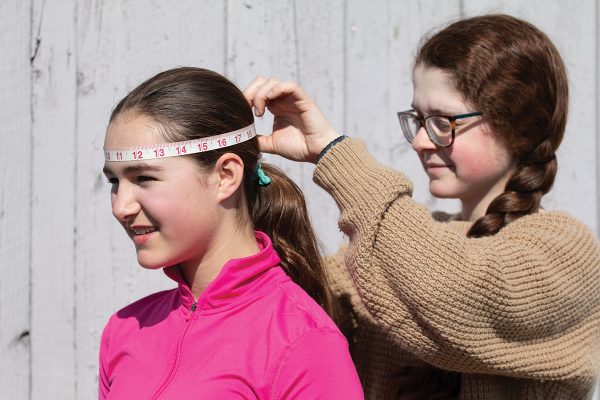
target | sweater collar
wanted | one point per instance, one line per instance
(238, 278)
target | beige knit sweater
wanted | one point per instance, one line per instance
(517, 314)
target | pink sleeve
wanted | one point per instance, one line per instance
(103, 382)
(318, 366)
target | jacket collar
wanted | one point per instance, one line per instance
(238, 278)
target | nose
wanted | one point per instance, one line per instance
(124, 204)
(422, 142)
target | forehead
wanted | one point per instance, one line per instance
(132, 130)
(434, 92)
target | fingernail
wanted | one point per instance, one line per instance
(256, 112)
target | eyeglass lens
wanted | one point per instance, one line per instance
(439, 129)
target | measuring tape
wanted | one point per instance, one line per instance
(175, 149)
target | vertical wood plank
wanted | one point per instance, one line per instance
(261, 40)
(53, 185)
(288, 40)
(320, 56)
(15, 193)
(573, 29)
(368, 112)
(152, 36)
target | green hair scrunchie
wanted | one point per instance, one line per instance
(263, 179)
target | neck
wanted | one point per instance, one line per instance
(228, 243)
(472, 209)
(475, 206)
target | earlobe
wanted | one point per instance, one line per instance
(230, 169)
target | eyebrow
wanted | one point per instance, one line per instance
(135, 168)
(433, 111)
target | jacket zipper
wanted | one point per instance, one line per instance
(169, 379)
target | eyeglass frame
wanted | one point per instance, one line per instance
(422, 120)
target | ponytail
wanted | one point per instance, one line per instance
(279, 210)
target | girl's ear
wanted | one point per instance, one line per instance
(230, 170)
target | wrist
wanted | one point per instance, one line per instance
(331, 143)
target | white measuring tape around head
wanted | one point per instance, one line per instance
(164, 150)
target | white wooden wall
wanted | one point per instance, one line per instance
(65, 265)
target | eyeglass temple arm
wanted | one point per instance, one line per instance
(455, 117)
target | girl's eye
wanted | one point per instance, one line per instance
(113, 181)
(145, 179)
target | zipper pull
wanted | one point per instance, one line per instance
(192, 310)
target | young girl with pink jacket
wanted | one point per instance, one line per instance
(247, 319)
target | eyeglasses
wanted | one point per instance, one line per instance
(439, 128)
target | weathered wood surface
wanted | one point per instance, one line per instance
(65, 263)
(15, 199)
(53, 286)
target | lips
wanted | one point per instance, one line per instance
(434, 169)
(141, 234)
(435, 162)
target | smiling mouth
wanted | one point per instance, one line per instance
(143, 231)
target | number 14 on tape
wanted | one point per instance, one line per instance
(175, 149)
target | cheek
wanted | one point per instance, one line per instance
(194, 210)
(160, 205)
(472, 165)
(485, 160)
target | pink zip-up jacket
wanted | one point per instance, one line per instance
(252, 334)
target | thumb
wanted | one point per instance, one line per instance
(265, 144)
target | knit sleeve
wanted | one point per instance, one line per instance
(317, 366)
(524, 302)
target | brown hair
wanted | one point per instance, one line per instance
(191, 103)
(511, 72)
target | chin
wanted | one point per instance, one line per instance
(150, 264)
(152, 267)
(440, 191)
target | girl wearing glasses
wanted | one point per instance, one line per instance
(500, 301)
